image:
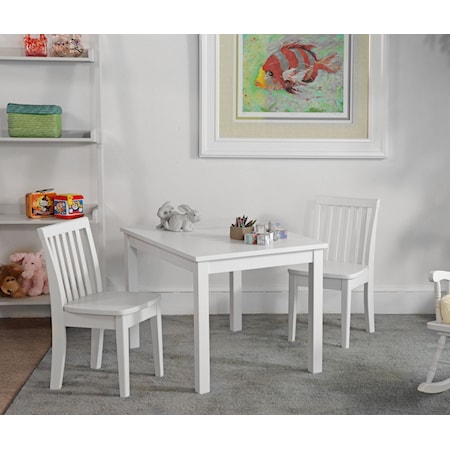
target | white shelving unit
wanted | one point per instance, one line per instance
(72, 163)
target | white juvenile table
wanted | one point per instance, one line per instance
(207, 251)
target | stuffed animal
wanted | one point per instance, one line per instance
(11, 281)
(164, 213)
(173, 220)
(182, 221)
(35, 280)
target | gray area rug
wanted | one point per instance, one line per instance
(253, 372)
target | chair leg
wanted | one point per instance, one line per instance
(59, 345)
(157, 341)
(430, 386)
(346, 300)
(369, 307)
(292, 307)
(96, 347)
(437, 354)
(123, 356)
(135, 341)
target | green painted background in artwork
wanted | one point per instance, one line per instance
(325, 94)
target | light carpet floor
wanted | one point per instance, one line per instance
(253, 372)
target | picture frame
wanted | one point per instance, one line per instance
(225, 135)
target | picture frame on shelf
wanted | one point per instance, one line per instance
(281, 120)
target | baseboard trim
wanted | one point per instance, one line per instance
(24, 311)
(391, 300)
(417, 300)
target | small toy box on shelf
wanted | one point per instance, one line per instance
(40, 203)
(69, 206)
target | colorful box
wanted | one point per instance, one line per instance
(280, 234)
(264, 239)
(260, 228)
(251, 238)
(274, 226)
(68, 206)
(40, 203)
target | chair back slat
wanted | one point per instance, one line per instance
(74, 286)
(437, 300)
(60, 266)
(348, 225)
(82, 270)
(71, 258)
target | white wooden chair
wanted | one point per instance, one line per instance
(77, 300)
(348, 225)
(439, 278)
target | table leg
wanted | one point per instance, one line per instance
(132, 285)
(201, 329)
(315, 313)
(131, 267)
(236, 301)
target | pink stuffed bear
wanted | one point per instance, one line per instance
(35, 280)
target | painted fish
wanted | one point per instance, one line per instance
(293, 65)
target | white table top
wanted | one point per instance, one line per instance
(210, 244)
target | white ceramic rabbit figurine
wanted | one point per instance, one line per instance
(172, 220)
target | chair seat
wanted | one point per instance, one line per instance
(439, 326)
(341, 271)
(112, 303)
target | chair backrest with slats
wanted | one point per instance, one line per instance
(71, 259)
(348, 225)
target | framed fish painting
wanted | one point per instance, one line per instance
(293, 96)
(285, 77)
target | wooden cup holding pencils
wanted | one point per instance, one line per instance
(241, 227)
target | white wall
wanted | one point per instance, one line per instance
(150, 130)
(151, 146)
(150, 115)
